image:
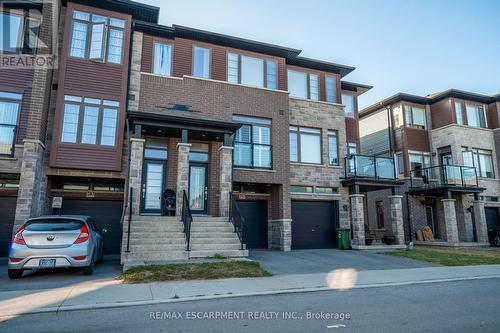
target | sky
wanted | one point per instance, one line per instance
(412, 46)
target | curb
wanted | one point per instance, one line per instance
(261, 293)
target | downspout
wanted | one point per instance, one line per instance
(127, 125)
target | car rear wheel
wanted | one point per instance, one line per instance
(15, 273)
(89, 270)
(496, 241)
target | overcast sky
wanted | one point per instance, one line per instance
(413, 46)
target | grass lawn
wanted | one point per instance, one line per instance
(196, 271)
(451, 256)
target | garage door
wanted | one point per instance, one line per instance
(107, 214)
(7, 214)
(255, 230)
(314, 224)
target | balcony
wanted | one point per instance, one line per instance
(449, 178)
(369, 173)
(369, 167)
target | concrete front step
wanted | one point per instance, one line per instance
(157, 218)
(211, 224)
(210, 219)
(215, 247)
(156, 234)
(156, 255)
(215, 240)
(154, 229)
(225, 253)
(228, 228)
(157, 240)
(146, 247)
(202, 234)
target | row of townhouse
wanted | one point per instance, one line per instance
(260, 145)
(445, 149)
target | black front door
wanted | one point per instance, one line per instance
(255, 228)
(153, 184)
(198, 188)
(431, 220)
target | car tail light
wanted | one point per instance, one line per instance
(15, 259)
(18, 237)
(80, 258)
(84, 235)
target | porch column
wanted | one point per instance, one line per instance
(358, 219)
(480, 221)
(226, 179)
(450, 220)
(397, 218)
(182, 174)
(135, 182)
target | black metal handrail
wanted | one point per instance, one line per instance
(369, 166)
(237, 219)
(129, 219)
(252, 161)
(444, 175)
(186, 218)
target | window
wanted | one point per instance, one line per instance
(458, 113)
(348, 101)
(97, 37)
(352, 148)
(380, 214)
(9, 111)
(419, 160)
(199, 152)
(397, 116)
(201, 62)
(476, 115)
(156, 149)
(162, 59)
(303, 85)
(89, 121)
(400, 163)
(331, 89)
(325, 190)
(415, 117)
(481, 159)
(252, 71)
(19, 32)
(301, 189)
(333, 148)
(252, 144)
(305, 145)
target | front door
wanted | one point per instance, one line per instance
(431, 220)
(198, 188)
(153, 184)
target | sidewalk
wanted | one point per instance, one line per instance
(115, 294)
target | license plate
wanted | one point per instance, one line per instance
(47, 263)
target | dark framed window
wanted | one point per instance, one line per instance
(350, 108)
(305, 145)
(162, 59)
(476, 115)
(19, 30)
(252, 144)
(252, 71)
(415, 117)
(481, 159)
(303, 84)
(156, 149)
(10, 105)
(89, 121)
(333, 148)
(201, 62)
(331, 89)
(97, 37)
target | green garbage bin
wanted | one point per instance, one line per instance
(343, 238)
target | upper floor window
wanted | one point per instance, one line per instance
(9, 111)
(201, 62)
(481, 159)
(89, 121)
(305, 145)
(331, 89)
(252, 144)
(458, 113)
(251, 71)
(415, 117)
(19, 31)
(352, 148)
(476, 115)
(419, 160)
(333, 148)
(162, 59)
(348, 101)
(397, 116)
(303, 85)
(97, 37)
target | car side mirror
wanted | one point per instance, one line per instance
(104, 230)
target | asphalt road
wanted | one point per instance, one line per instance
(466, 306)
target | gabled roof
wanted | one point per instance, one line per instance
(138, 10)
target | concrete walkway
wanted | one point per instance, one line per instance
(115, 294)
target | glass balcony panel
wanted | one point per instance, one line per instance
(385, 168)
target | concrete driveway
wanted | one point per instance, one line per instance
(326, 260)
(58, 278)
